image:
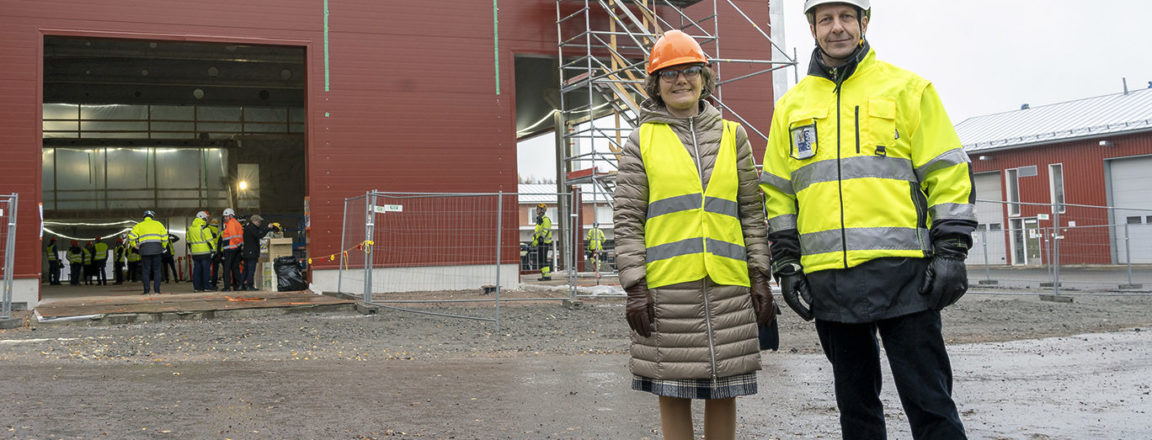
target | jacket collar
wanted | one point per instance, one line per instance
(861, 57)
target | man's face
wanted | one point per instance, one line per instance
(837, 30)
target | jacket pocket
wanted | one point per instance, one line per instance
(880, 136)
(808, 134)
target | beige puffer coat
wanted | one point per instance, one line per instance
(702, 330)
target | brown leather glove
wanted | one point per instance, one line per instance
(639, 310)
(762, 302)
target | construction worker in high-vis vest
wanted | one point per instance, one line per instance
(100, 261)
(119, 257)
(149, 237)
(53, 262)
(594, 246)
(201, 245)
(75, 263)
(542, 241)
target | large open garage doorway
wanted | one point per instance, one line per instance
(171, 126)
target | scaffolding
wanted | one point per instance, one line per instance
(603, 47)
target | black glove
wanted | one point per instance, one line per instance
(761, 298)
(639, 310)
(794, 286)
(539, 219)
(946, 279)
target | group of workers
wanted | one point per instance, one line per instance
(863, 213)
(148, 253)
(542, 242)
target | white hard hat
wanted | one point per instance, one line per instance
(203, 215)
(229, 212)
(864, 5)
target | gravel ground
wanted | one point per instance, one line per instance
(549, 372)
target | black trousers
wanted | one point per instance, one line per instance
(151, 271)
(98, 269)
(920, 369)
(54, 272)
(118, 272)
(231, 269)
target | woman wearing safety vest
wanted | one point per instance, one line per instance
(691, 247)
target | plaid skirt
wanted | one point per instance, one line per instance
(720, 388)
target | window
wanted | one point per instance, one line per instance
(995, 227)
(1056, 185)
(1012, 183)
(1134, 220)
(1148, 219)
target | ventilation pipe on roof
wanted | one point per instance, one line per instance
(1125, 81)
(1024, 106)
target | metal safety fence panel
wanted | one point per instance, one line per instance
(8, 205)
(1064, 248)
(457, 255)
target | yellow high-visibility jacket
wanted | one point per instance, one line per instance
(863, 170)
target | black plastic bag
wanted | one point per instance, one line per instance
(288, 275)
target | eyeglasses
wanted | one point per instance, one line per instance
(672, 74)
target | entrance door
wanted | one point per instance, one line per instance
(1026, 241)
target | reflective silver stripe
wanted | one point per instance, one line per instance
(853, 168)
(151, 235)
(859, 239)
(959, 211)
(721, 206)
(674, 249)
(782, 222)
(674, 204)
(781, 184)
(951, 157)
(726, 249)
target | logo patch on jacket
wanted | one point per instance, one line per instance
(804, 142)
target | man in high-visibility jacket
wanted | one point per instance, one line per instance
(594, 246)
(75, 263)
(149, 237)
(542, 240)
(118, 260)
(201, 244)
(233, 240)
(53, 263)
(870, 212)
(99, 261)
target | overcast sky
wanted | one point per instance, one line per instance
(984, 56)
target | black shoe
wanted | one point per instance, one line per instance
(226, 290)
(544, 279)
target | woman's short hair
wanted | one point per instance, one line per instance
(708, 85)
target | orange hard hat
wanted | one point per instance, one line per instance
(673, 49)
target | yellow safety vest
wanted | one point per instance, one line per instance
(691, 232)
(101, 252)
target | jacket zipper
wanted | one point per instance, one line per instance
(857, 129)
(840, 174)
(704, 282)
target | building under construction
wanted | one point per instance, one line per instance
(286, 108)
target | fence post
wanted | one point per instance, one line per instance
(9, 250)
(343, 234)
(499, 229)
(1056, 254)
(369, 225)
(1128, 256)
(987, 269)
